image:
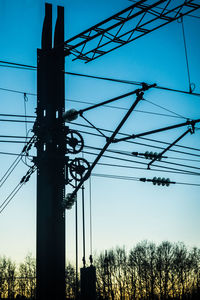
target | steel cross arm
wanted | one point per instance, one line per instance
(108, 142)
(171, 145)
(96, 28)
(98, 31)
(133, 136)
(143, 15)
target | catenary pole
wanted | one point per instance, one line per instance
(50, 131)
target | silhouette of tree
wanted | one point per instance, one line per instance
(147, 271)
(27, 277)
(70, 280)
(7, 278)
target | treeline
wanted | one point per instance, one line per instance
(147, 271)
(167, 271)
(17, 282)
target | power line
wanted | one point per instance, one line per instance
(131, 155)
(144, 169)
(18, 116)
(15, 154)
(78, 124)
(114, 151)
(29, 67)
(16, 91)
(109, 106)
(17, 64)
(184, 172)
(10, 197)
(165, 162)
(123, 134)
(142, 163)
(135, 178)
(186, 55)
(14, 136)
(24, 179)
(142, 144)
(25, 150)
(177, 115)
(16, 121)
(10, 170)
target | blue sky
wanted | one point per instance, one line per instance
(124, 212)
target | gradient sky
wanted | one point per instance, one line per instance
(124, 212)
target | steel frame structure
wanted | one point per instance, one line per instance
(136, 21)
(49, 128)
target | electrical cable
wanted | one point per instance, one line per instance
(94, 127)
(143, 144)
(126, 153)
(17, 92)
(83, 219)
(15, 142)
(16, 121)
(123, 134)
(90, 197)
(145, 169)
(185, 172)
(135, 178)
(108, 106)
(18, 116)
(186, 57)
(104, 78)
(16, 161)
(25, 100)
(165, 162)
(131, 82)
(178, 115)
(17, 188)
(10, 170)
(115, 151)
(17, 64)
(10, 197)
(15, 154)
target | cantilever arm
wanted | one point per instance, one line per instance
(108, 142)
(75, 113)
(133, 136)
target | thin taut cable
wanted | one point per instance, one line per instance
(25, 113)
(186, 56)
(90, 195)
(83, 216)
(10, 197)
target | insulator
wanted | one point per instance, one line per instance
(135, 153)
(159, 157)
(143, 179)
(69, 201)
(159, 181)
(70, 115)
(154, 180)
(146, 154)
(163, 181)
(167, 182)
(151, 155)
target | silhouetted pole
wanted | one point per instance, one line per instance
(50, 131)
